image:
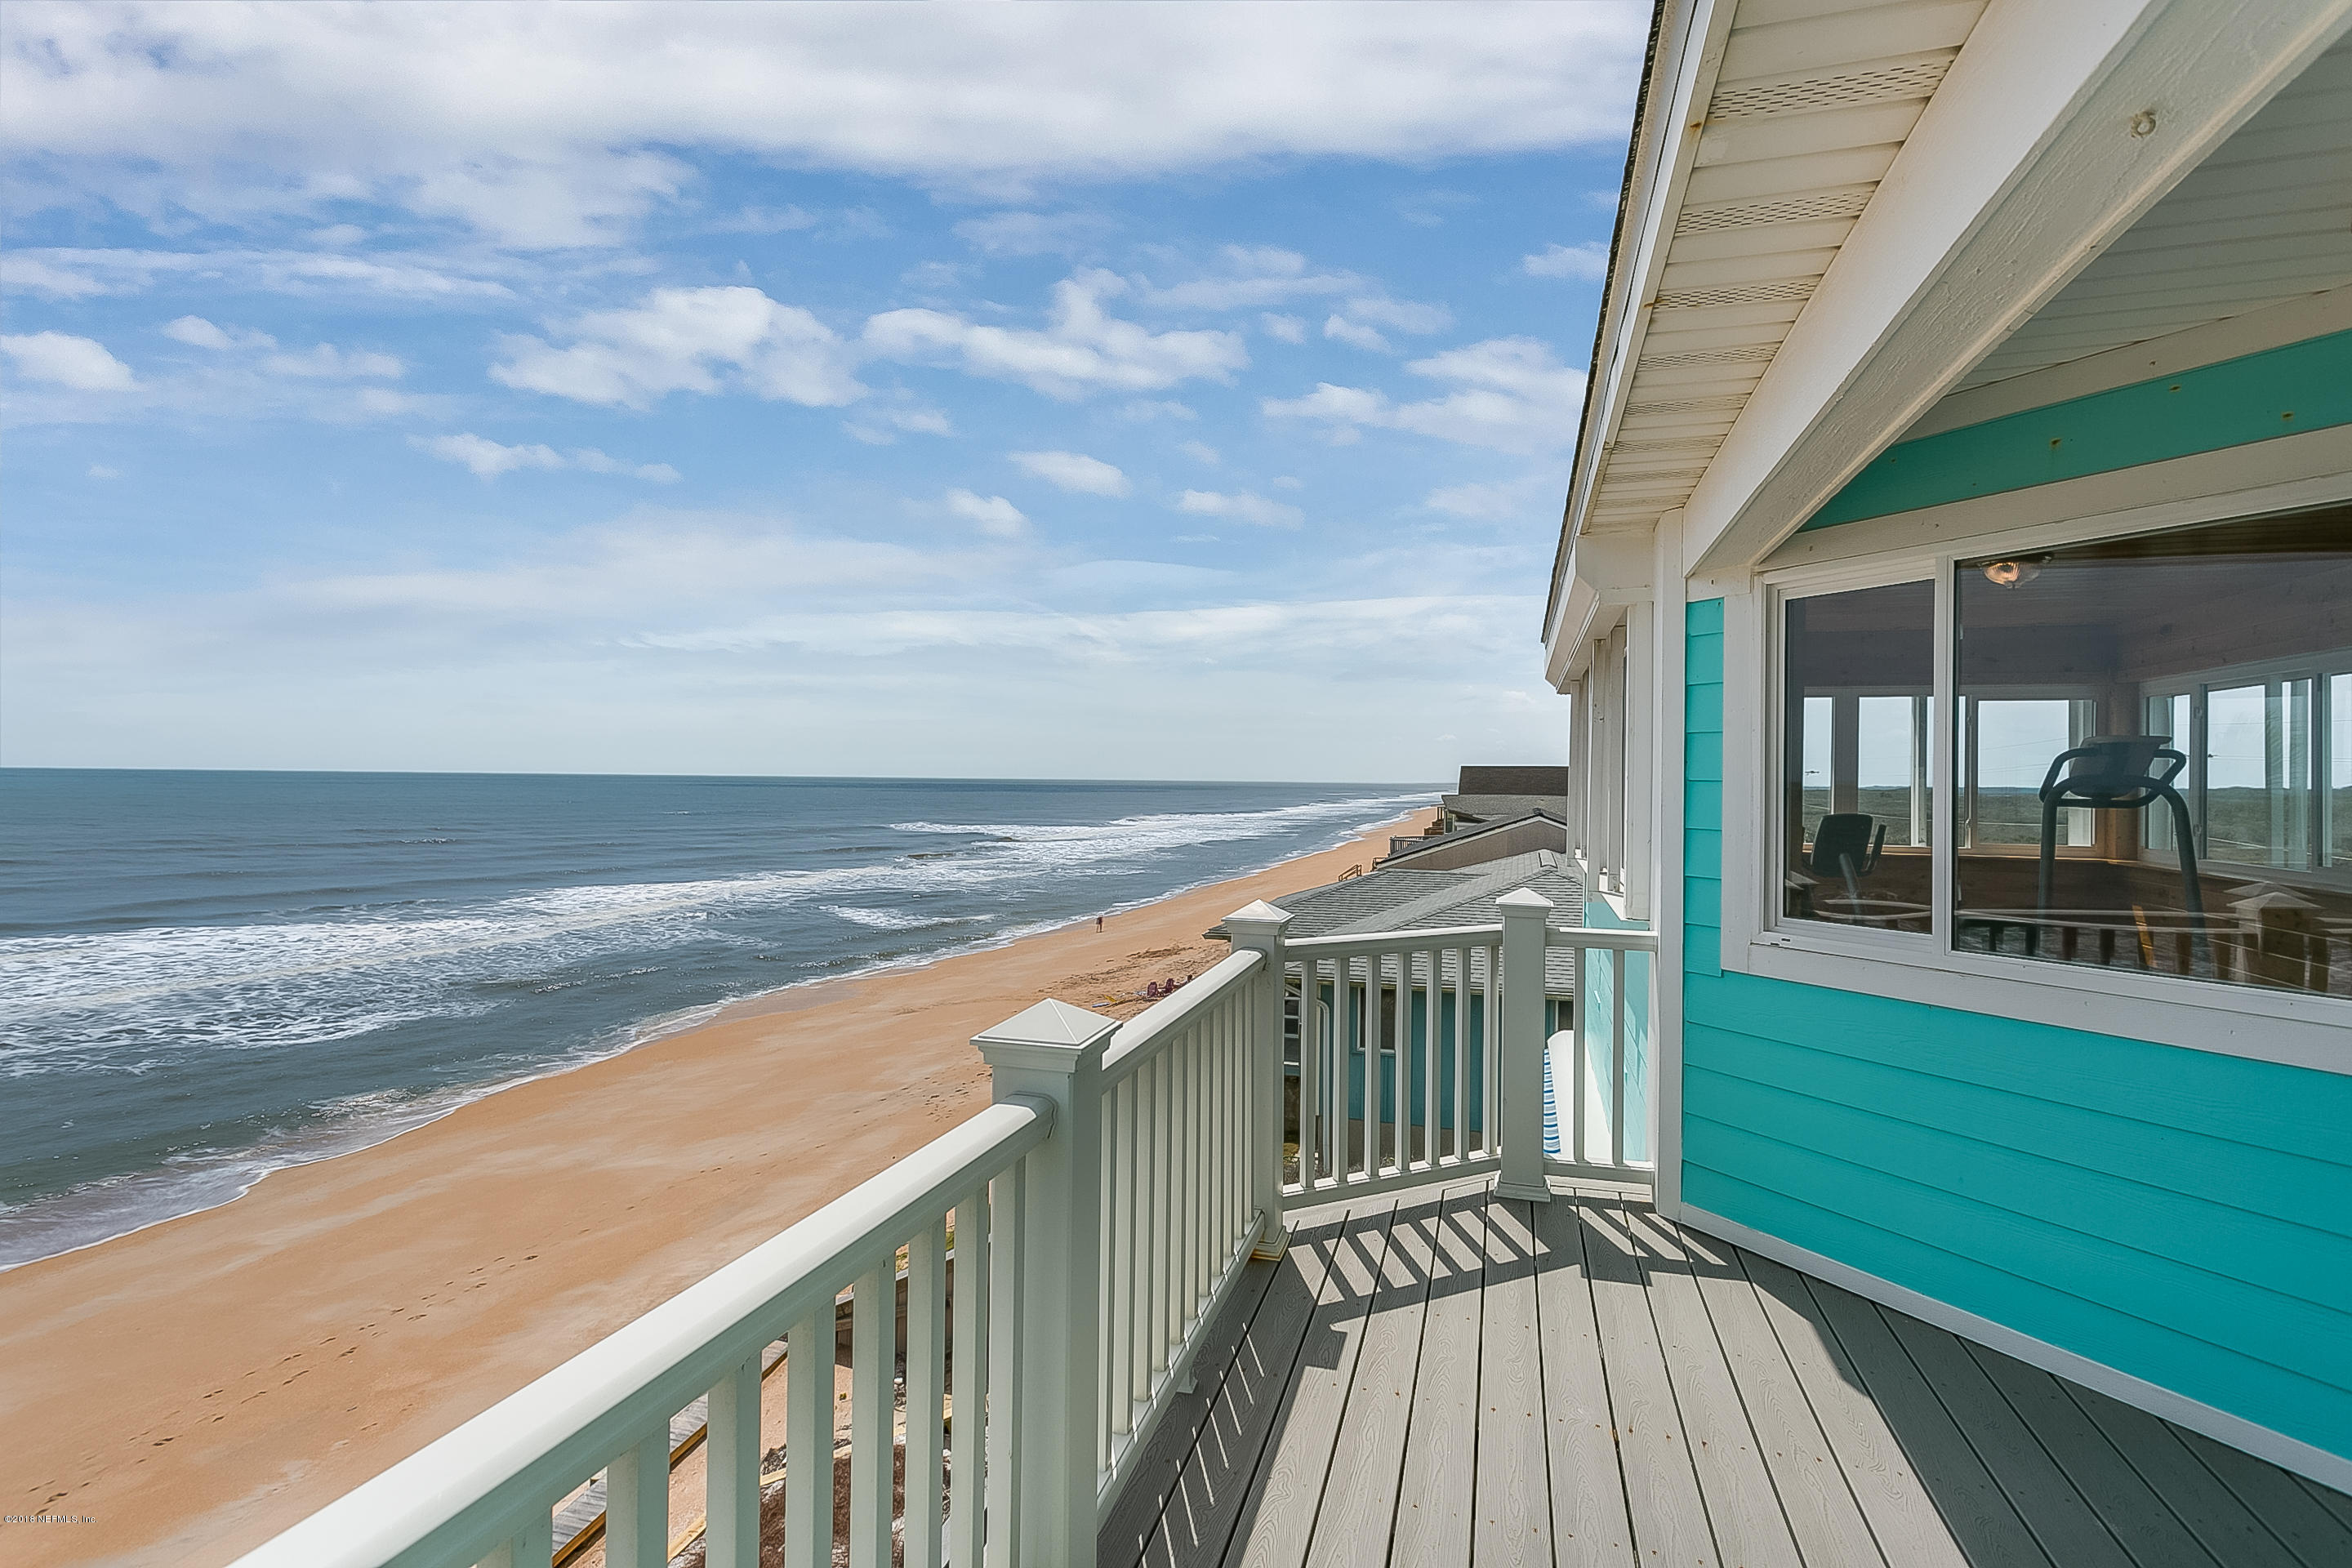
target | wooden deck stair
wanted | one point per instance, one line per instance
(1449, 1378)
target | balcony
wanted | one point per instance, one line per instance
(1282, 1271)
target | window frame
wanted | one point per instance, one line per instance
(2292, 1027)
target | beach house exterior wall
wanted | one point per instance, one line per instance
(1918, 311)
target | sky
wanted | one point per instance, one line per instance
(1115, 391)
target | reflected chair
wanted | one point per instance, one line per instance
(1844, 846)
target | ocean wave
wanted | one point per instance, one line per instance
(893, 920)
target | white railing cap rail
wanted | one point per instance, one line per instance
(1601, 937)
(454, 1500)
(1355, 944)
(1160, 1022)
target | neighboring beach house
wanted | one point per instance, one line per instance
(1956, 596)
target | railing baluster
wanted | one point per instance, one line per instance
(1491, 1053)
(926, 1357)
(967, 1396)
(636, 1503)
(1617, 1057)
(1007, 1401)
(1131, 1264)
(873, 1349)
(1429, 1065)
(732, 1479)
(808, 1441)
(1580, 1058)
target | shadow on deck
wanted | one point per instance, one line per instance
(1452, 1378)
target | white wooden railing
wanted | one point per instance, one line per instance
(1063, 1253)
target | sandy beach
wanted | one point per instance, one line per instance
(195, 1387)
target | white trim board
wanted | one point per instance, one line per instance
(2295, 320)
(2287, 1453)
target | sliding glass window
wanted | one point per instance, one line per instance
(2153, 753)
(1857, 681)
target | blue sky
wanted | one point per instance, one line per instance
(1119, 391)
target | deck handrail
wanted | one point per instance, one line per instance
(1102, 1211)
(463, 1498)
(1164, 1018)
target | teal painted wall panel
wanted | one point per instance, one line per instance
(2179, 1216)
(2216, 1310)
(1703, 783)
(1703, 707)
(2259, 1103)
(2191, 1164)
(2239, 1257)
(2299, 1407)
(2278, 392)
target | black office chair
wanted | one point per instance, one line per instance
(2120, 773)
(1844, 845)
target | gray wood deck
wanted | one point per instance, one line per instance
(1449, 1378)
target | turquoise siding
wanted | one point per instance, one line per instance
(2278, 392)
(2179, 1216)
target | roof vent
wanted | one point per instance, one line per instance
(1789, 95)
(1735, 294)
(1787, 209)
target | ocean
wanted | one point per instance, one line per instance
(208, 976)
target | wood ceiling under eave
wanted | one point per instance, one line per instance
(1812, 102)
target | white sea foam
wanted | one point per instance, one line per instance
(132, 1001)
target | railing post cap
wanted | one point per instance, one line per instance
(1053, 1035)
(1260, 915)
(1524, 902)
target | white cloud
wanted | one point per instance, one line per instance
(687, 340)
(63, 360)
(1587, 262)
(1249, 276)
(1074, 471)
(1199, 452)
(19, 271)
(390, 103)
(1288, 329)
(785, 219)
(328, 363)
(1348, 332)
(879, 427)
(379, 402)
(100, 471)
(997, 518)
(1033, 233)
(1509, 394)
(1245, 507)
(488, 460)
(338, 234)
(197, 332)
(1404, 315)
(1144, 410)
(78, 272)
(1083, 350)
(1497, 500)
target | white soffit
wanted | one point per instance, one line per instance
(2266, 218)
(1810, 104)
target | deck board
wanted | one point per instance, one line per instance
(1279, 1518)
(1433, 1516)
(1511, 1505)
(1742, 1503)
(1588, 1488)
(1821, 1509)
(1368, 1460)
(1669, 1518)
(1442, 1378)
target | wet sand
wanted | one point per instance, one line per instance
(199, 1386)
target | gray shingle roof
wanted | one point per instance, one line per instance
(1401, 899)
